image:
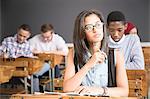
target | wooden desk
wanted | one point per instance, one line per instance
(138, 83)
(23, 67)
(146, 53)
(33, 64)
(29, 65)
(43, 96)
(34, 96)
(6, 73)
(53, 60)
(88, 97)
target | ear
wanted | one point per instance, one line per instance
(106, 25)
(107, 29)
(126, 25)
(29, 35)
(52, 32)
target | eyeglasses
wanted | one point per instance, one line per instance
(90, 27)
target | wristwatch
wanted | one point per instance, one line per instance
(105, 93)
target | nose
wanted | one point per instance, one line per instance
(21, 38)
(94, 29)
(116, 34)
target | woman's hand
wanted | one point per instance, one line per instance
(88, 90)
(101, 56)
(81, 89)
(97, 57)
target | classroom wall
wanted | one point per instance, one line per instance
(62, 13)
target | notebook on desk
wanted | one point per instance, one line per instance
(74, 94)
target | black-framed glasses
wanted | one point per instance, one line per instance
(90, 27)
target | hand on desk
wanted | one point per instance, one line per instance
(35, 51)
(89, 90)
(34, 57)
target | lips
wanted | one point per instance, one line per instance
(97, 35)
(116, 39)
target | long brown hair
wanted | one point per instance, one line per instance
(81, 45)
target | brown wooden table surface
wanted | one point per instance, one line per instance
(30, 65)
(43, 96)
(55, 59)
(23, 68)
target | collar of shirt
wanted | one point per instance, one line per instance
(119, 42)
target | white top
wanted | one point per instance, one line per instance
(97, 76)
(57, 43)
(131, 47)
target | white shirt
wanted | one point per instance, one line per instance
(56, 44)
(131, 47)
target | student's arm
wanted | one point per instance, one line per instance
(28, 51)
(33, 46)
(133, 31)
(3, 47)
(136, 57)
(61, 45)
(121, 77)
(1, 51)
(72, 80)
(55, 52)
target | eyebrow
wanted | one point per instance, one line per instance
(22, 35)
(95, 23)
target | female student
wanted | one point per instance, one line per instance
(87, 68)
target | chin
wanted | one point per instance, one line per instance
(21, 42)
(116, 40)
(95, 41)
(98, 40)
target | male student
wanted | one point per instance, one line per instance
(129, 44)
(47, 42)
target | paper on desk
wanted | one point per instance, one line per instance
(73, 94)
